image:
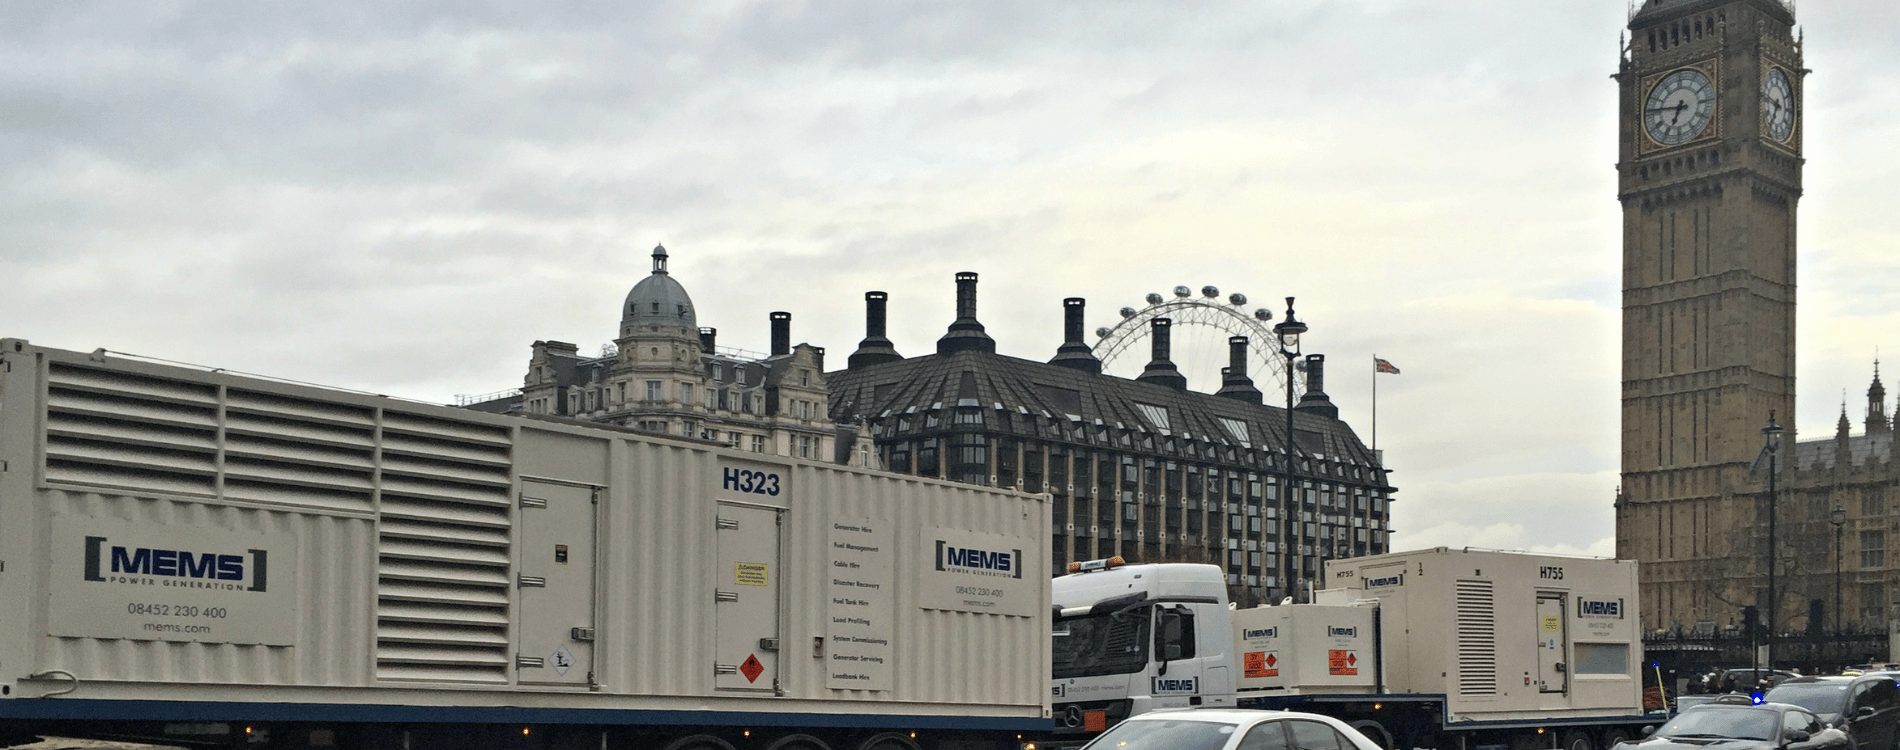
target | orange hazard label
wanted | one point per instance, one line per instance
(1342, 662)
(1259, 664)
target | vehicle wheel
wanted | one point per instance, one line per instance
(1611, 737)
(895, 741)
(1376, 732)
(1577, 739)
(699, 742)
(798, 742)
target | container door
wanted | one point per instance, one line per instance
(746, 592)
(556, 578)
(1552, 642)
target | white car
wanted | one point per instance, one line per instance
(1231, 729)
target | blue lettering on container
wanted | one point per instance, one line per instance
(1604, 608)
(1251, 633)
(1342, 632)
(1175, 686)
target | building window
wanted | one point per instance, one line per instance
(804, 378)
(804, 446)
(719, 372)
(653, 390)
(1873, 549)
(758, 443)
(1873, 503)
(738, 375)
(1873, 605)
(686, 393)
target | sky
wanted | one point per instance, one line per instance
(401, 198)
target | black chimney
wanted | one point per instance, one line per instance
(781, 333)
(1161, 369)
(966, 334)
(707, 336)
(1073, 353)
(875, 348)
(1234, 381)
(1315, 400)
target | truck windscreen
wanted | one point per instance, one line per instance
(1101, 644)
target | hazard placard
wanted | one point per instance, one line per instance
(1342, 663)
(751, 668)
(1260, 664)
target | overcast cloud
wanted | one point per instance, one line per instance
(400, 198)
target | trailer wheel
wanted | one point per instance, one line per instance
(1577, 739)
(1615, 735)
(887, 741)
(798, 742)
(1376, 732)
(699, 742)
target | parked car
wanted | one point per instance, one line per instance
(1867, 707)
(1737, 725)
(1744, 680)
(1231, 729)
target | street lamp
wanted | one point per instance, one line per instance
(1771, 447)
(1289, 331)
(1839, 519)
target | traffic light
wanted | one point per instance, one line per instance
(1750, 620)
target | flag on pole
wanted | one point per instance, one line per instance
(1380, 365)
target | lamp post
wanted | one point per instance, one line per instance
(1771, 445)
(1839, 519)
(1289, 331)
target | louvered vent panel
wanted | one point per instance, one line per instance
(109, 429)
(443, 573)
(284, 450)
(1477, 638)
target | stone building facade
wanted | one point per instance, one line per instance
(1141, 468)
(666, 374)
(1709, 176)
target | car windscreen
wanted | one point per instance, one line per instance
(1819, 697)
(1101, 644)
(1746, 723)
(1167, 734)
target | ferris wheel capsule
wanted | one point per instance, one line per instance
(1154, 298)
(1210, 291)
(1263, 314)
(1237, 299)
(1183, 291)
(1101, 333)
(1128, 312)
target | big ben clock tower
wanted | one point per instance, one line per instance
(1709, 172)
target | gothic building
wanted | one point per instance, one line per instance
(666, 374)
(1709, 175)
(1141, 468)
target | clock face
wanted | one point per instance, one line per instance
(1777, 105)
(1679, 107)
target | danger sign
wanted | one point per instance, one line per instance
(1342, 663)
(1260, 664)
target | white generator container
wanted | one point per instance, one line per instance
(1305, 649)
(247, 548)
(1503, 635)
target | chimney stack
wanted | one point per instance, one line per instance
(1315, 400)
(781, 333)
(707, 337)
(1161, 370)
(966, 334)
(1234, 381)
(875, 348)
(1074, 353)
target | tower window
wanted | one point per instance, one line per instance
(656, 308)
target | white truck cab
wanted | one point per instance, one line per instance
(1129, 639)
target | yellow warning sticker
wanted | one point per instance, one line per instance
(1552, 623)
(751, 574)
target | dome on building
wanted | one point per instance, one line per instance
(658, 300)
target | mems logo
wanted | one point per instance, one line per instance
(999, 563)
(1604, 608)
(1252, 633)
(176, 568)
(1338, 632)
(1176, 686)
(1386, 581)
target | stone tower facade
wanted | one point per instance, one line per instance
(1709, 174)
